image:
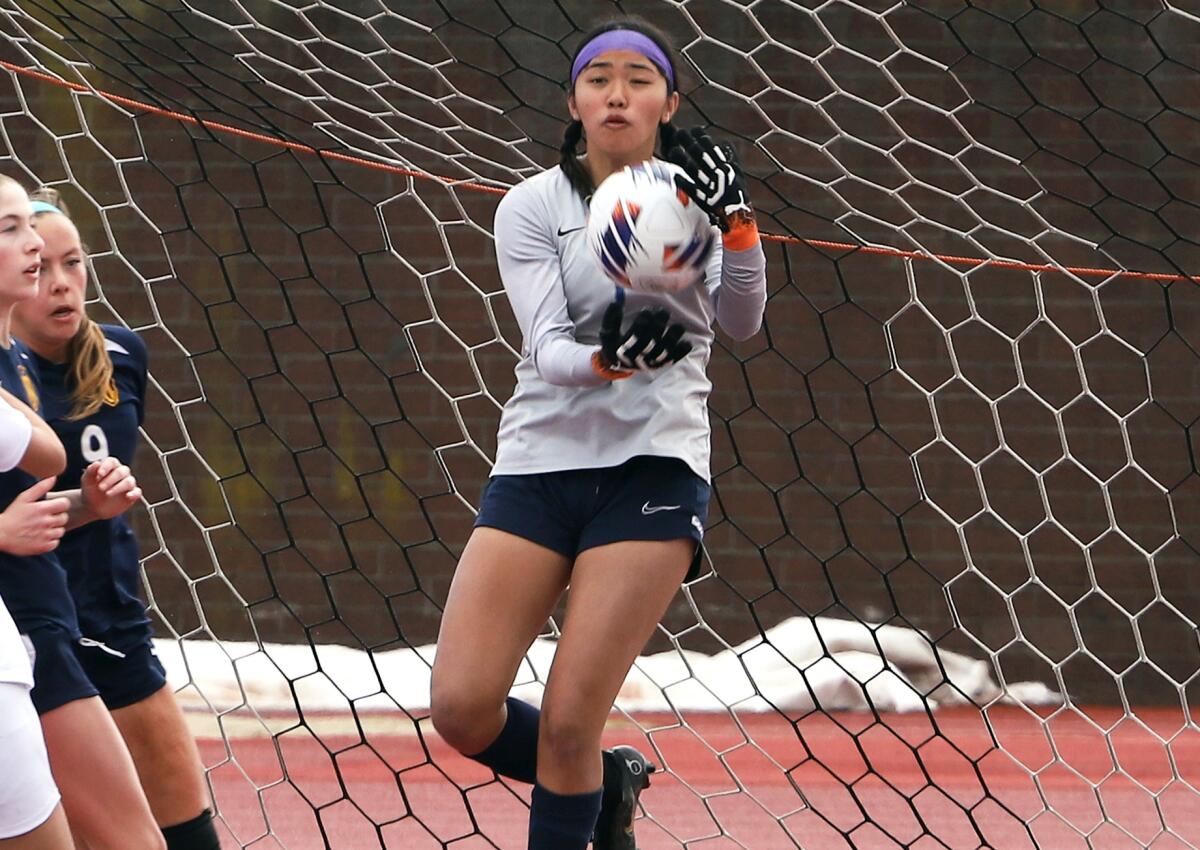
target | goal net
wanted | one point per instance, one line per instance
(950, 598)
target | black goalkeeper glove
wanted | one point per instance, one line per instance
(712, 177)
(651, 342)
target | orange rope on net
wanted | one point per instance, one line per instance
(249, 134)
(950, 259)
(217, 126)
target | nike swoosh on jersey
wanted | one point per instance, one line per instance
(564, 231)
(648, 509)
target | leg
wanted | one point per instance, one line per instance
(132, 684)
(53, 834)
(97, 779)
(165, 756)
(619, 592)
(504, 590)
(31, 816)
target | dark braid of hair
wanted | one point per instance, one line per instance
(580, 179)
(666, 137)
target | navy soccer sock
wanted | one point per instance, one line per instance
(562, 821)
(195, 834)
(514, 752)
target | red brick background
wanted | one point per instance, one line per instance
(1001, 458)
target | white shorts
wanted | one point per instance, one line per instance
(28, 794)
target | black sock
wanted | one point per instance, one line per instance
(562, 821)
(195, 834)
(514, 752)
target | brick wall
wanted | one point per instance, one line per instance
(295, 344)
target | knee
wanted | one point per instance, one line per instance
(146, 836)
(149, 837)
(566, 735)
(464, 721)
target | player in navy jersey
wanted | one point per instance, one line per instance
(601, 479)
(93, 390)
(31, 815)
(91, 765)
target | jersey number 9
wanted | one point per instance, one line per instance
(93, 443)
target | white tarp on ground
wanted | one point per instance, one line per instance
(798, 665)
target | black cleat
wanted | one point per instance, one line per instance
(626, 776)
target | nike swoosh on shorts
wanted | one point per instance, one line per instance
(653, 509)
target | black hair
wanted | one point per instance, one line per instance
(578, 176)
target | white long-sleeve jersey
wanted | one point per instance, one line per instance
(563, 415)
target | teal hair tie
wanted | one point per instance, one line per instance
(43, 207)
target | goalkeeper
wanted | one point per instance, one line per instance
(601, 480)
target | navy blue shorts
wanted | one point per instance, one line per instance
(122, 665)
(645, 498)
(58, 677)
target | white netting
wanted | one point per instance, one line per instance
(941, 460)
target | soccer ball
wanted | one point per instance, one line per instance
(646, 234)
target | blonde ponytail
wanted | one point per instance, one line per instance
(91, 371)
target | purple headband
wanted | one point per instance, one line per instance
(623, 40)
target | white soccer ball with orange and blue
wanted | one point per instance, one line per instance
(646, 234)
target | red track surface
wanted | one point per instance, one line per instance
(857, 781)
